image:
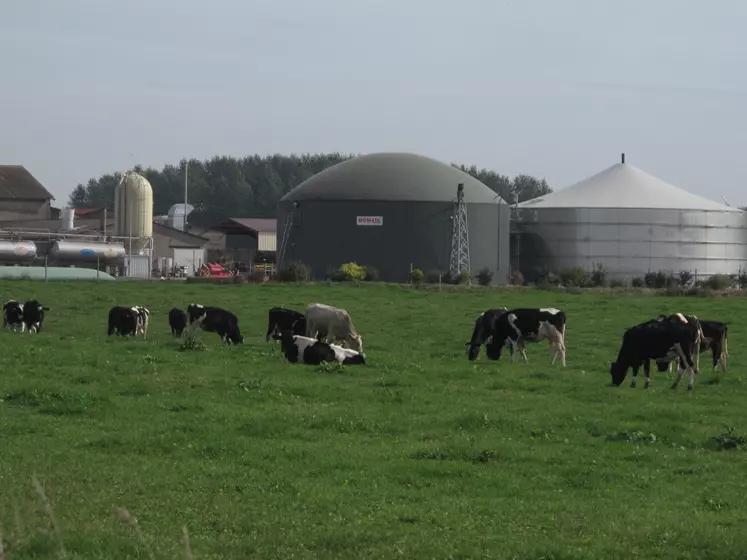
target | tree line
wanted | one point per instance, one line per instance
(251, 186)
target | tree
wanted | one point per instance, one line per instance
(224, 186)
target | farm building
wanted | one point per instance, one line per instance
(393, 211)
(22, 197)
(249, 240)
(630, 222)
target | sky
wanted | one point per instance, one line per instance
(550, 88)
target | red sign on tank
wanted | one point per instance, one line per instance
(369, 220)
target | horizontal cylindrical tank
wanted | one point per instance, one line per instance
(133, 210)
(17, 251)
(84, 251)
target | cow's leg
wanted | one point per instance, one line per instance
(683, 359)
(522, 350)
(635, 376)
(554, 350)
(512, 348)
(647, 371)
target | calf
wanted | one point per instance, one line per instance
(518, 326)
(33, 315)
(484, 327)
(655, 340)
(142, 314)
(280, 320)
(217, 320)
(305, 350)
(123, 321)
(348, 356)
(13, 316)
(334, 322)
(177, 321)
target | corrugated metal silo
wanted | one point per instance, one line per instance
(632, 223)
(133, 210)
(390, 211)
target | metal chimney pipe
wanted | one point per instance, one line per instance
(623, 157)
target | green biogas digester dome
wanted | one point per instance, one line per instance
(392, 211)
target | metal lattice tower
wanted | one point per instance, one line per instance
(460, 236)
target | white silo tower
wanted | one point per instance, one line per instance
(133, 210)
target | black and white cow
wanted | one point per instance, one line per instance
(484, 327)
(281, 319)
(123, 321)
(660, 341)
(177, 321)
(143, 314)
(698, 338)
(516, 327)
(305, 350)
(217, 320)
(714, 337)
(33, 315)
(13, 316)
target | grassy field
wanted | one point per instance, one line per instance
(420, 454)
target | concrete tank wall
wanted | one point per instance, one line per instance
(325, 234)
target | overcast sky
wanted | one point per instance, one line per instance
(552, 88)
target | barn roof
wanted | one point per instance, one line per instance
(241, 225)
(17, 183)
(625, 186)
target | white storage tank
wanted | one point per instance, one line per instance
(84, 251)
(133, 210)
(17, 251)
(68, 219)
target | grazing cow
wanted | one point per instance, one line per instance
(177, 321)
(518, 326)
(660, 341)
(305, 350)
(123, 321)
(33, 315)
(682, 319)
(281, 319)
(143, 314)
(13, 316)
(334, 322)
(217, 320)
(484, 327)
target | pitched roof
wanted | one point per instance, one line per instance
(182, 238)
(17, 183)
(625, 186)
(257, 225)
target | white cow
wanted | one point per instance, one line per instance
(335, 323)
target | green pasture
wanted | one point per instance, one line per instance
(111, 446)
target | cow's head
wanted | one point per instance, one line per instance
(494, 349)
(473, 350)
(356, 342)
(618, 373)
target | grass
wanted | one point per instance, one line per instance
(120, 448)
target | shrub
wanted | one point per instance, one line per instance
(575, 277)
(719, 282)
(684, 278)
(432, 276)
(372, 274)
(659, 279)
(335, 274)
(294, 271)
(353, 272)
(598, 276)
(461, 278)
(485, 277)
(549, 279)
(516, 278)
(416, 277)
(256, 276)
(618, 283)
(638, 282)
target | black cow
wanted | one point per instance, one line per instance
(484, 327)
(33, 315)
(13, 316)
(123, 321)
(519, 326)
(348, 356)
(281, 320)
(305, 350)
(217, 320)
(177, 321)
(660, 341)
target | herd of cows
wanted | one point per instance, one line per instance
(666, 339)
(308, 337)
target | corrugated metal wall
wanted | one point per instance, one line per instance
(267, 241)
